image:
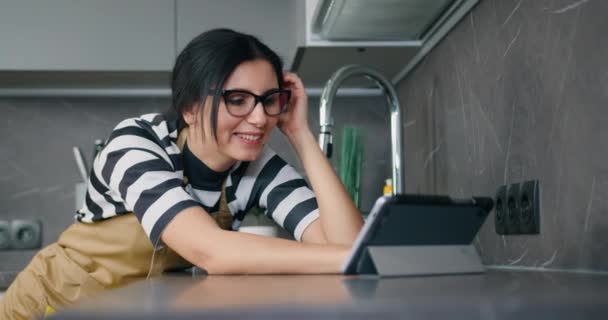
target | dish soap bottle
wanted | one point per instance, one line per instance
(388, 187)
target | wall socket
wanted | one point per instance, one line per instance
(20, 234)
(518, 208)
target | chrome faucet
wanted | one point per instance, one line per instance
(326, 120)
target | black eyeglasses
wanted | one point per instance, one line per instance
(241, 103)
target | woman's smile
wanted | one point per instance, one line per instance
(250, 138)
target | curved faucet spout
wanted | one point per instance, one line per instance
(326, 121)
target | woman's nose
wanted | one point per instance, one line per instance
(258, 116)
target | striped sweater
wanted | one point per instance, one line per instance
(141, 170)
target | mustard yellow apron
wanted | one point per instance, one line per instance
(87, 259)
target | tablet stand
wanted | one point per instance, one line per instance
(420, 260)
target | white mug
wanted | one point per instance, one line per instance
(269, 231)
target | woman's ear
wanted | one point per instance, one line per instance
(191, 115)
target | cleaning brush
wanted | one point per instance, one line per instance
(351, 159)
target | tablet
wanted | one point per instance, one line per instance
(417, 220)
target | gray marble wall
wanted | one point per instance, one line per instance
(38, 172)
(518, 91)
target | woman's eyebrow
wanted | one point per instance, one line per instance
(270, 90)
(247, 90)
(236, 89)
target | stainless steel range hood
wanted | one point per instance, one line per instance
(377, 20)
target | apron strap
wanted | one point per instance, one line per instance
(222, 217)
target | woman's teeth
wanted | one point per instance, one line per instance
(248, 137)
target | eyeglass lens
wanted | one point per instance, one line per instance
(241, 103)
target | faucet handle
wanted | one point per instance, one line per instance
(329, 150)
(325, 142)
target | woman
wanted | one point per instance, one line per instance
(166, 191)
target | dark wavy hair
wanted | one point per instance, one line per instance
(206, 62)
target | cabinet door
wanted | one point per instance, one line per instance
(272, 21)
(107, 35)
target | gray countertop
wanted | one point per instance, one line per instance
(493, 295)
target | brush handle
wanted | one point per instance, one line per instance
(82, 167)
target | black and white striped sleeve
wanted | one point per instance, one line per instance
(285, 195)
(139, 171)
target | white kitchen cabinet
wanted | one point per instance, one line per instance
(272, 21)
(128, 47)
(87, 35)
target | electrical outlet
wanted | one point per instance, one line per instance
(529, 199)
(5, 235)
(26, 234)
(501, 210)
(512, 221)
(518, 208)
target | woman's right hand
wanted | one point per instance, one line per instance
(294, 121)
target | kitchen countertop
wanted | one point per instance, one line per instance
(493, 295)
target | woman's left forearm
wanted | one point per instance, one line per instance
(339, 217)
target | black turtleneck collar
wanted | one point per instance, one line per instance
(200, 176)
